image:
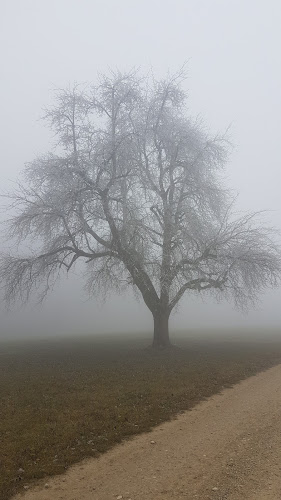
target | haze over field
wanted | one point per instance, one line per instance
(234, 78)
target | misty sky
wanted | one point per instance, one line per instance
(234, 78)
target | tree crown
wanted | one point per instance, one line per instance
(133, 188)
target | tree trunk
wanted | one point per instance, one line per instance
(161, 330)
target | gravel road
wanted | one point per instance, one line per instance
(227, 447)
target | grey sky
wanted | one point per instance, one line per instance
(234, 77)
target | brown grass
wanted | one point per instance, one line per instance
(62, 401)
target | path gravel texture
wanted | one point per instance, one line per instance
(227, 447)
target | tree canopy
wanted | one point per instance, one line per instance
(133, 188)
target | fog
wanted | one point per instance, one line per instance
(232, 49)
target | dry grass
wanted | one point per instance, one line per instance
(62, 401)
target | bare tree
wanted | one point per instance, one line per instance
(133, 189)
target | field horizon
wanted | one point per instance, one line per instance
(178, 334)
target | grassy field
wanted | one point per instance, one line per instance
(62, 401)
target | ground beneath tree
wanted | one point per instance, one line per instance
(227, 447)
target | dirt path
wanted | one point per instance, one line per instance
(228, 447)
